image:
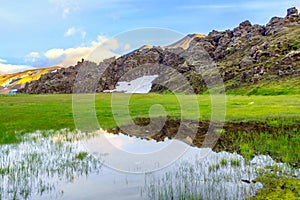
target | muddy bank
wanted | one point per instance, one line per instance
(220, 137)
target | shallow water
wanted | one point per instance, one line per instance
(50, 167)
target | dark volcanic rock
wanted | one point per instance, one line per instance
(292, 11)
(246, 61)
(277, 24)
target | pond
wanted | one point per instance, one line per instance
(58, 165)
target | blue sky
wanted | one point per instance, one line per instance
(41, 33)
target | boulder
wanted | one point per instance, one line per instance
(245, 62)
(243, 77)
(292, 11)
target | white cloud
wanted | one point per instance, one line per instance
(54, 53)
(66, 12)
(9, 68)
(72, 31)
(32, 57)
(34, 54)
(97, 51)
(66, 6)
(3, 61)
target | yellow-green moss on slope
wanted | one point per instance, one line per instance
(278, 188)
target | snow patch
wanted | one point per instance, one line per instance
(140, 85)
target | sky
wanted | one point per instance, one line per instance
(44, 33)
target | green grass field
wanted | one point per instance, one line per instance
(28, 113)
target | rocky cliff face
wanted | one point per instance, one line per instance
(245, 55)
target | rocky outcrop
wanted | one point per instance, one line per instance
(292, 12)
(61, 81)
(277, 24)
(245, 55)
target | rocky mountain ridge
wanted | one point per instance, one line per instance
(245, 56)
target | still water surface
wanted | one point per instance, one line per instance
(55, 165)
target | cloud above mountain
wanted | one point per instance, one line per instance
(3, 61)
(6, 68)
(97, 51)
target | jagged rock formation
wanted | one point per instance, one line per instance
(245, 55)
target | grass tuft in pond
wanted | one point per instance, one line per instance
(42, 161)
(213, 178)
(81, 155)
(210, 178)
(279, 144)
(224, 162)
(235, 162)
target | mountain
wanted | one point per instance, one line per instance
(252, 59)
(185, 42)
(18, 80)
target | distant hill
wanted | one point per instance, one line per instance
(18, 80)
(252, 59)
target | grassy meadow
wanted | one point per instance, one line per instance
(28, 113)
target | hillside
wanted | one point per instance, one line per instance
(252, 59)
(18, 80)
